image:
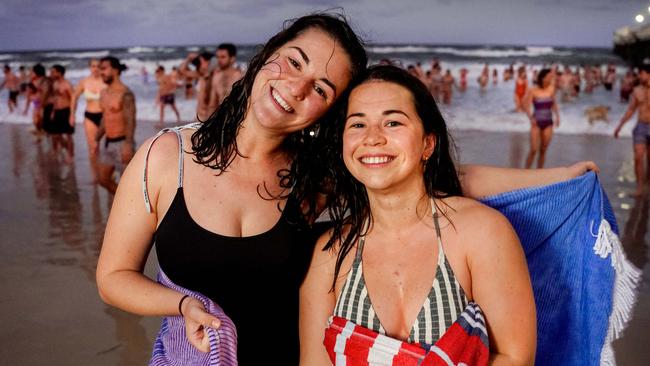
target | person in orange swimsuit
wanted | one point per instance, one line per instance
(521, 85)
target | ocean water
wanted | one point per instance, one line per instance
(489, 110)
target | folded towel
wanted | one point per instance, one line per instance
(171, 347)
(584, 286)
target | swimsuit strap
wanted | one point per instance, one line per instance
(436, 223)
(362, 240)
(177, 131)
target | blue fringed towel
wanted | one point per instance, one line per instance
(584, 286)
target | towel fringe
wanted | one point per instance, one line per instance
(626, 281)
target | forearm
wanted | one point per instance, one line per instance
(479, 181)
(100, 131)
(626, 117)
(133, 292)
(504, 360)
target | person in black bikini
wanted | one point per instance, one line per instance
(90, 87)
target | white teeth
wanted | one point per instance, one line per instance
(375, 159)
(281, 101)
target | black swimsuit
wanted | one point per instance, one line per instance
(254, 279)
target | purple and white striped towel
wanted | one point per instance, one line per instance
(171, 347)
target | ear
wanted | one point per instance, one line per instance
(429, 146)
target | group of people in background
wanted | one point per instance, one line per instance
(53, 100)
(538, 99)
(196, 73)
(110, 115)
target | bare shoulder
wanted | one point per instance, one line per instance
(325, 259)
(161, 164)
(471, 218)
(639, 92)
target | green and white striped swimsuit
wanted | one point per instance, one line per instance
(444, 303)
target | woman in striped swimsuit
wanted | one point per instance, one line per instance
(406, 258)
(542, 119)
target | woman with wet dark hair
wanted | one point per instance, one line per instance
(408, 256)
(227, 214)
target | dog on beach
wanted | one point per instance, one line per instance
(598, 112)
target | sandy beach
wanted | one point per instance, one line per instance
(52, 221)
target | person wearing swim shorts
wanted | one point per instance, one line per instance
(166, 89)
(61, 128)
(11, 83)
(42, 109)
(640, 102)
(117, 103)
(542, 119)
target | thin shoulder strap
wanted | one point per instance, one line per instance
(177, 131)
(362, 240)
(436, 223)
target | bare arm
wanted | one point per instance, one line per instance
(501, 286)
(28, 100)
(74, 99)
(184, 69)
(527, 102)
(127, 243)
(317, 304)
(628, 114)
(556, 111)
(214, 91)
(480, 181)
(128, 110)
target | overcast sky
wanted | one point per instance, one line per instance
(57, 24)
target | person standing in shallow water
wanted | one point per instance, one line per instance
(90, 87)
(117, 129)
(165, 95)
(62, 129)
(11, 82)
(640, 103)
(543, 117)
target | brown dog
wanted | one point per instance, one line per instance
(596, 113)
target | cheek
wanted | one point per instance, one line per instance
(315, 107)
(349, 146)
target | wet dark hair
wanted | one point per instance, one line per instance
(115, 63)
(232, 50)
(39, 70)
(348, 200)
(214, 144)
(59, 68)
(6, 67)
(160, 68)
(540, 77)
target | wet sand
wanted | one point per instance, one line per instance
(52, 219)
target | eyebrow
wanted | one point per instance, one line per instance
(384, 113)
(306, 59)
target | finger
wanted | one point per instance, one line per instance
(195, 336)
(197, 313)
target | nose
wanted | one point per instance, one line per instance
(374, 136)
(298, 88)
